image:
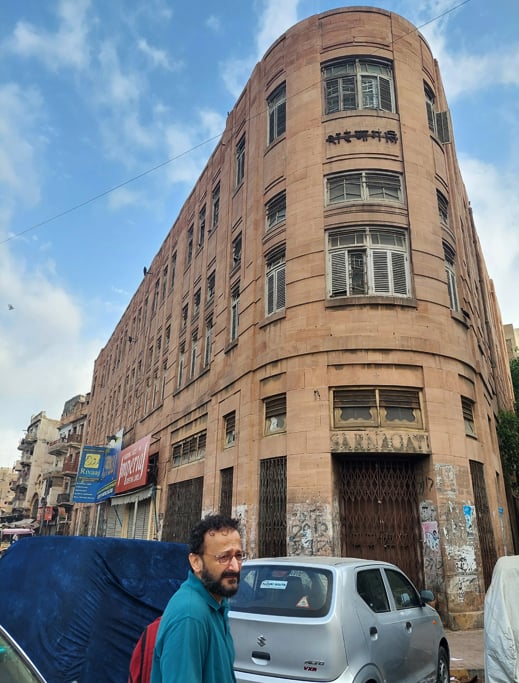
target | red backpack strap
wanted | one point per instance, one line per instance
(142, 656)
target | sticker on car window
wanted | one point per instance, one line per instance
(276, 585)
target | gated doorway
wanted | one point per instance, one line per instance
(379, 512)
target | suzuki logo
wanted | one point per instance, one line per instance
(261, 640)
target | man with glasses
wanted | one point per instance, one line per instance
(194, 643)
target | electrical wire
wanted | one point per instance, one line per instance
(152, 169)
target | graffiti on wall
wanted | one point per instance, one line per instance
(310, 530)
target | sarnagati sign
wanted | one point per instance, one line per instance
(364, 135)
(377, 441)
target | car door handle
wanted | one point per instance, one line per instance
(256, 654)
(408, 626)
(373, 632)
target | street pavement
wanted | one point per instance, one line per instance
(467, 656)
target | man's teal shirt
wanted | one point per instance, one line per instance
(194, 643)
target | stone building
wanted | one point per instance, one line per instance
(512, 341)
(51, 502)
(33, 460)
(316, 347)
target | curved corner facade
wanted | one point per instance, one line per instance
(316, 347)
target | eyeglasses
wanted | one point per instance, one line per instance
(227, 558)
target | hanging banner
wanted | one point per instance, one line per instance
(90, 469)
(106, 487)
(133, 465)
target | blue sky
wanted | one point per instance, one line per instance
(94, 93)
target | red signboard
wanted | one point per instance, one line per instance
(133, 465)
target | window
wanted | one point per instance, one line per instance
(438, 121)
(189, 255)
(164, 283)
(430, 108)
(230, 429)
(450, 271)
(276, 210)
(403, 591)
(211, 283)
(173, 267)
(185, 313)
(189, 450)
(275, 281)
(201, 226)
(467, 406)
(374, 407)
(363, 186)
(351, 84)
(155, 301)
(194, 351)
(277, 107)
(167, 337)
(196, 302)
(235, 311)
(216, 206)
(275, 414)
(370, 587)
(181, 364)
(208, 341)
(368, 261)
(240, 160)
(155, 394)
(443, 208)
(164, 380)
(236, 252)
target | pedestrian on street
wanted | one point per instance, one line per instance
(194, 642)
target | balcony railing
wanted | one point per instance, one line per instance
(61, 444)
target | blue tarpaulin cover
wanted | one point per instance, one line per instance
(77, 605)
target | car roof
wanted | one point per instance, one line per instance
(325, 561)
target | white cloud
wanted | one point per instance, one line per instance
(20, 110)
(115, 87)
(213, 22)
(158, 58)
(274, 19)
(43, 375)
(495, 204)
(180, 139)
(65, 47)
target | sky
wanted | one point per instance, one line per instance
(110, 109)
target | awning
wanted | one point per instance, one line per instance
(135, 496)
(16, 532)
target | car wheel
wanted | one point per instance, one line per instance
(443, 666)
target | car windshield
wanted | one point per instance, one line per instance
(284, 590)
(13, 668)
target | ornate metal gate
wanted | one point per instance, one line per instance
(485, 531)
(379, 512)
(272, 514)
(184, 509)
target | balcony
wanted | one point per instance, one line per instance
(62, 444)
(71, 464)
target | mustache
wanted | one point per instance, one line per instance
(230, 575)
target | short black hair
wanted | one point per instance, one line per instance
(209, 523)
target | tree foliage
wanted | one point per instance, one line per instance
(508, 435)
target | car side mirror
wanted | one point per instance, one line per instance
(427, 596)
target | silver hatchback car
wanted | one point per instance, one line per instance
(304, 619)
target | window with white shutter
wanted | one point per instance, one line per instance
(275, 281)
(368, 261)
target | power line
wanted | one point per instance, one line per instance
(94, 198)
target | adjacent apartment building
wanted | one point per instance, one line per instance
(316, 347)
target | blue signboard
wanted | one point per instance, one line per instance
(91, 466)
